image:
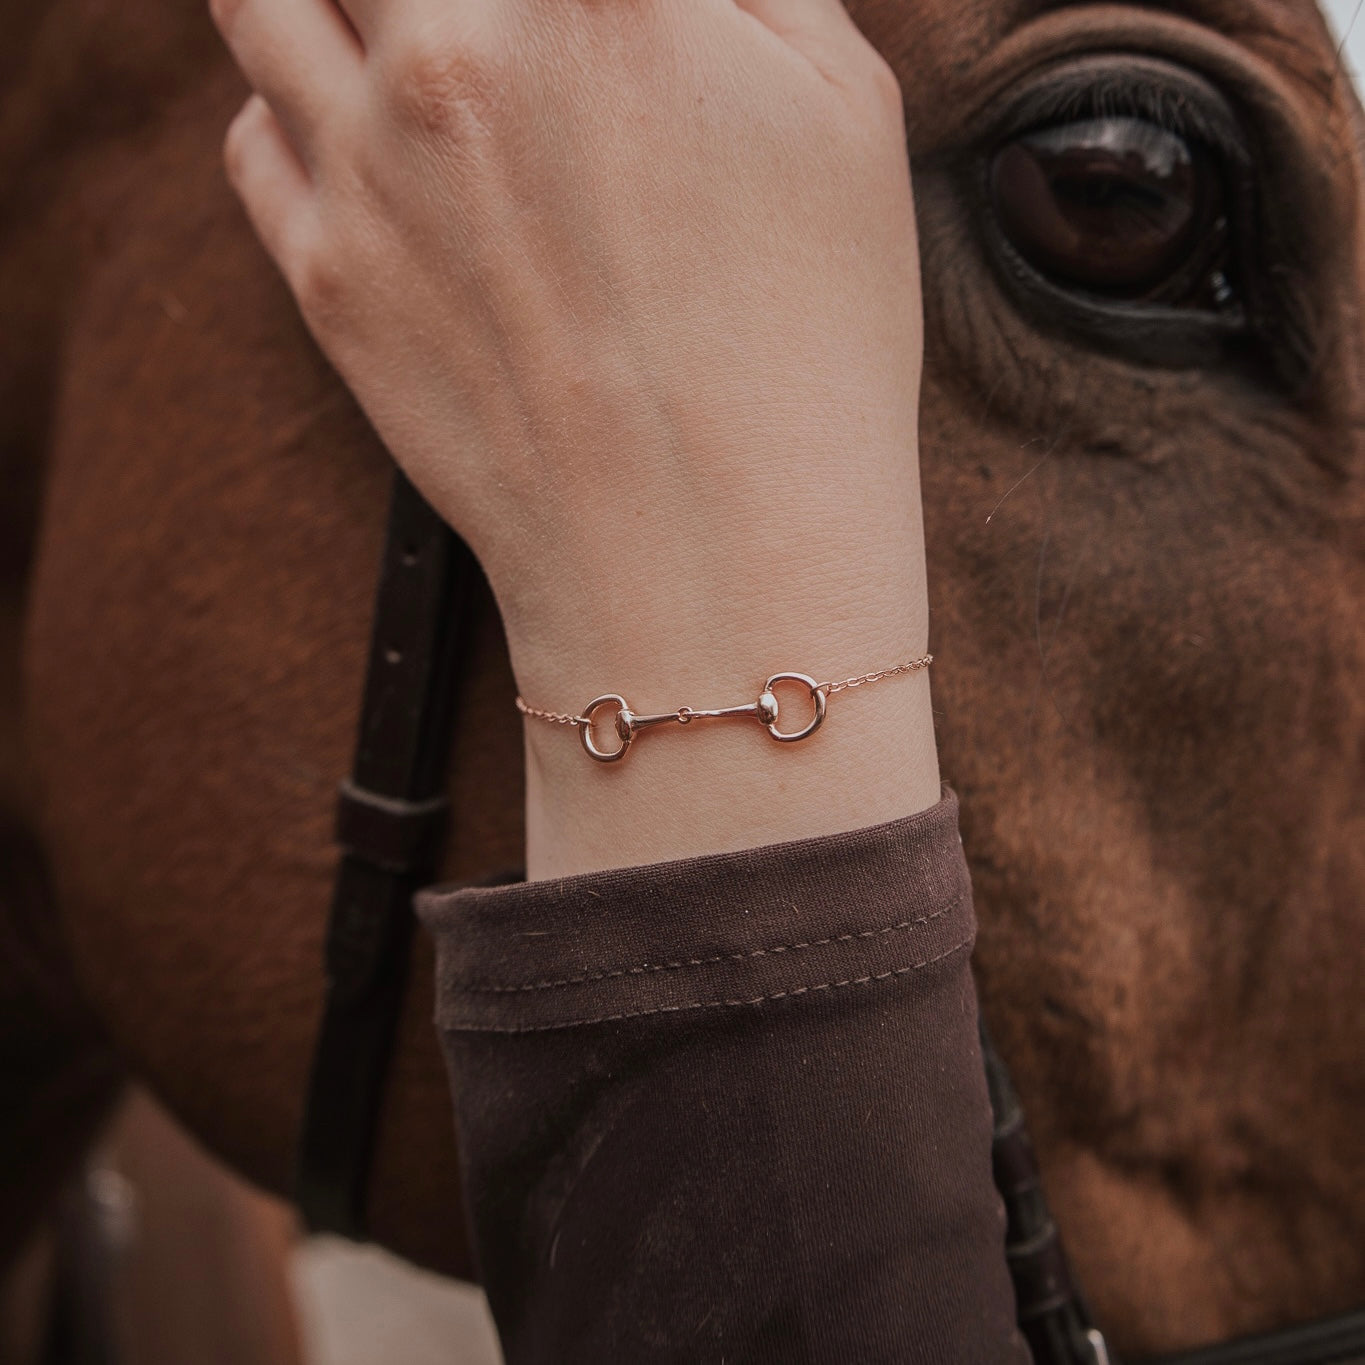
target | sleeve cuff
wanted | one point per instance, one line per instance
(842, 912)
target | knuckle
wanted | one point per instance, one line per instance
(441, 85)
(318, 281)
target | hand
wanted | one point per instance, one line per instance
(630, 289)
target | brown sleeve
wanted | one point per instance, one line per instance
(730, 1108)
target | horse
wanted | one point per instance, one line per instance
(1141, 233)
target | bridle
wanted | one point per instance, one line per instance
(1052, 1312)
(390, 817)
(391, 814)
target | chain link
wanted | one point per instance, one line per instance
(554, 717)
(909, 666)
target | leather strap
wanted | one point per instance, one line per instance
(1051, 1314)
(390, 817)
(389, 831)
(1337, 1340)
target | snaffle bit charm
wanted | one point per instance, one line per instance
(627, 723)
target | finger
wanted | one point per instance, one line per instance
(302, 55)
(270, 180)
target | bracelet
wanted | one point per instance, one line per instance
(627, 723)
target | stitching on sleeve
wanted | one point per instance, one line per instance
(646, 968)
(870, 980)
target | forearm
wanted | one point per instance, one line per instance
(631, 292)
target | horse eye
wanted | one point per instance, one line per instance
(1117, 207)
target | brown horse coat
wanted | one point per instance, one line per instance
(1147, 583)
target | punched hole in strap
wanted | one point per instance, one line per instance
(388, 831)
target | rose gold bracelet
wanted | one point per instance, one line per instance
(628, 724)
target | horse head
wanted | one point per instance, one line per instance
(1141, 232)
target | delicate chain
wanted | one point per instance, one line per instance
(627, 723)
(554, 717)
(910, 666)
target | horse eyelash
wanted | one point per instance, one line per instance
(1126, 95)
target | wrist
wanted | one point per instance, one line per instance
(727, 784)
(697, 600)
(721, 785)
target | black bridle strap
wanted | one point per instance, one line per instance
(1328, 1341)
(1052, 1316)
(1052, 1313)
(390, 818)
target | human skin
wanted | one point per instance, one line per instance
(631, 292)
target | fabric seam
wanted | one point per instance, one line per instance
(869, 980)
(647, 968)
